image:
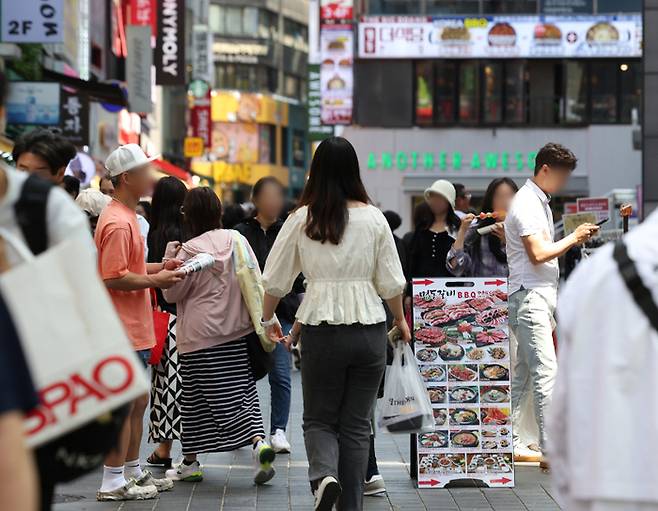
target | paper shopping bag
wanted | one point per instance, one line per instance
(81, 361)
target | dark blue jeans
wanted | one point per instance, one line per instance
(280, 385)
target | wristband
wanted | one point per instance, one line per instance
(270, 322)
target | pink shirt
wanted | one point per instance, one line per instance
(209, 304)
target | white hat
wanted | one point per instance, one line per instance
(92, 201)
(443, 188)
(125, 158)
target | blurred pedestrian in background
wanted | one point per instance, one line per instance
(45, 153)
(122, 265)
(92, 202)
(345, 249)
(234, 214)
(144, 209)
(219, 401)
(165, 422)
(261, 231)
(105, 186)
(462, 200)
(71, 186)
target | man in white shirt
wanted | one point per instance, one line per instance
(532, 256)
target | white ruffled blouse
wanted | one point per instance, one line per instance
(344, 281)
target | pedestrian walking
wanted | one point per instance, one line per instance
(219, 401)
(345, 249)
(44, 153)
(92, 202)
(105, 186)
(533, 279)
(261, 231)
(606, 383)
(165, 422)
(462, 201)
(122, 265)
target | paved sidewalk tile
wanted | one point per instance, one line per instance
(228, 484)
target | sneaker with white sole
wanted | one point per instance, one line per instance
(374, 486)
(264, 456)
(279, 442)
(130, 491)
(327, 494)
(523, 454)
(192, 473)
(147, 479)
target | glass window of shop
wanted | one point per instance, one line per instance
(616, 6)
(238, 21)
(452, 6)
(630, 84)
(445, 88)
(492, 94)
(575, 92)
(295, 34)
(515, 92)
(385, 92)
(604, 83)
(393, 6)
(469, 92)
(424, 93)
(247, 77)
(509, 6)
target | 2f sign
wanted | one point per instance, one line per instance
(32, 21)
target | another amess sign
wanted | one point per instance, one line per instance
(170, 43)
(500, 37)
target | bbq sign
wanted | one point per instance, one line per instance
(462, 347)
(170, 43)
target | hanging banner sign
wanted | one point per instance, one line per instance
(500, 37)
(336, 73)
(32, 21)
(200, 111)
(142, 13)
(462, 347)
(170, 43)
(138, 68)
(316, 131)
(336, 10)
(74, 117)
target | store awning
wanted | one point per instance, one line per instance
(173, 170)
(102, 92)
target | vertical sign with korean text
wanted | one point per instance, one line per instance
(32, 21)
(202, 68)
(170, 43)
(138, 68)
(336, 73)
(462, 347)
(316, 130)
(142, 13)
(200, 113)
(74, 116)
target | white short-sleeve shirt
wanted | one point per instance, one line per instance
(530, 214)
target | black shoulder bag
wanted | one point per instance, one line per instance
(83, 449)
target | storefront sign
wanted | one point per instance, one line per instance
(170, 43)
(142, 13)
(507, 161)
(500, 37)
(74, 117)
(600, 206)
(32, 21)
(243, 53)
(336, 73)
(316, 131)
(33, 103)
(138, 68)
(201, 53)
(200, 112)
(462, 347)
(193, 147)
(339, 10)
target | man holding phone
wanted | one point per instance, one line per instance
(534, 273)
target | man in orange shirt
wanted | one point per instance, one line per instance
(128, 278)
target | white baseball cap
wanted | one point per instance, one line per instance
(125, 158)
(92, 201)
(443, 188)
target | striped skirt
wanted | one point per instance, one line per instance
(219, 402)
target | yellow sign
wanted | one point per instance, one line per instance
(193, 147)
(234, 106)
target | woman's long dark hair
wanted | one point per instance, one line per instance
(424, 218)
(333, 181)
(166, 218)
(202, 211)
(487, 207)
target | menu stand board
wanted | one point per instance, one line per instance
(462, 347)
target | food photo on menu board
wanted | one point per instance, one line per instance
(336, 74)
(461, 341)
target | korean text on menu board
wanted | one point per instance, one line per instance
(462, 346)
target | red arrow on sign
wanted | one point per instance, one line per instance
(496, 282)
(431, 482)
(425, 282)
(502, 480)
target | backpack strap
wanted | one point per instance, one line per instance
(30, 210)
(641, 294)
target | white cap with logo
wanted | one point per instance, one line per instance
(125, 158)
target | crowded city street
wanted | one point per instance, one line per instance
(328, 255)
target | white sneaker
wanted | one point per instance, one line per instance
(147, 479)
(264, 456)
(279, 442)
(524, 454)
(189, 473)
(130, 491)
(327, 494)
(374, 486)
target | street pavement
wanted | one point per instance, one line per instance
(228, 484)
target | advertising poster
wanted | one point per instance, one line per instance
(32, 21)
(571, 221)
(336, 73)
(338, 10)
(462, 347)
(235, 142)
(33, 103)
(600, 206)
(74, 117)
(500, 37)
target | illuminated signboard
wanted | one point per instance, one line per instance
(492, 161)
(500, 37)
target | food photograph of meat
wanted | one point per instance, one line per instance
(430, 336)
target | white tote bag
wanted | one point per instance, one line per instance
(82, 363)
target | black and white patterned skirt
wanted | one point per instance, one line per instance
(219, 402)
(165, 421)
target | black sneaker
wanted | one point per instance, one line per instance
(327, 494)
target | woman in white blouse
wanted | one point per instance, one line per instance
(345, 250)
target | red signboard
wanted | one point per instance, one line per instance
(336, 10)
(598, 205)
(200, 119)
(142, 12)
